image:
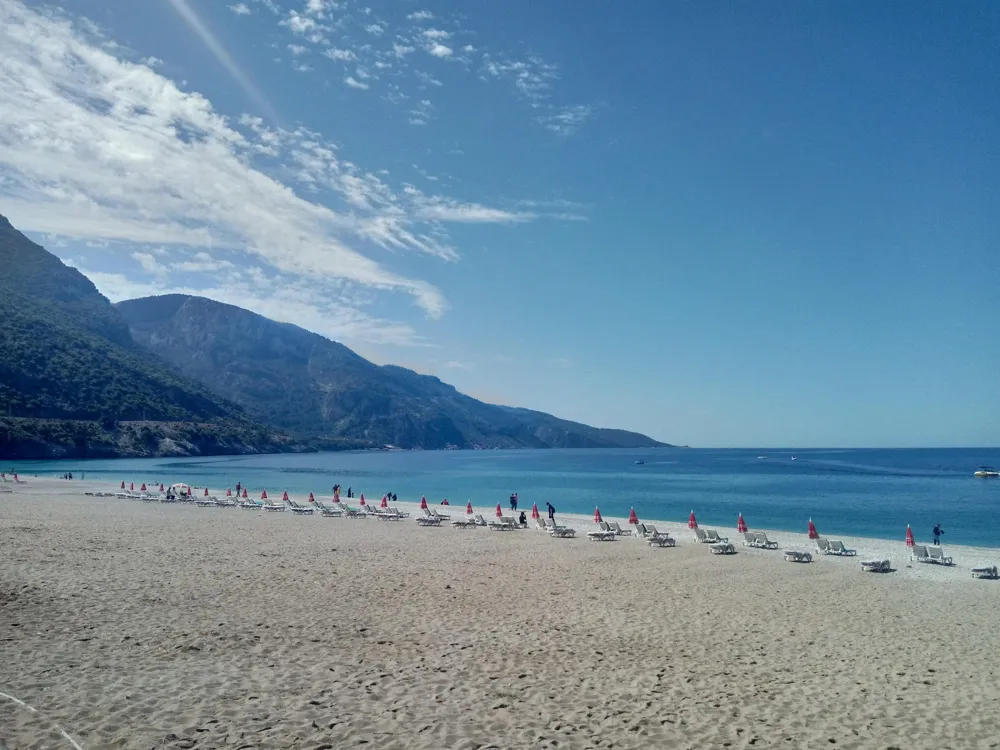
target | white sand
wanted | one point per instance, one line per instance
(146, 625)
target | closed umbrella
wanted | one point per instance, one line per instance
(363, 498)
(385, 501)
(161, 486)
(143, 488)
(131, 485)
(311, 498)
(692, 521)
(206, 492)
(245, 495)
(423, 503)
(741, 525)
(632, 517)
(263, 495)
(468, 508)
(229, 492)
(123, 483)
(534, 511)
(499, 512)
(813, 534)
(284, 496)
(597, 515)
(909, 536)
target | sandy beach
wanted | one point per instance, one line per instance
(147, 625)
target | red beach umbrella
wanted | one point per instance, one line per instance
(161, 486)
(813, 534)
(444, 502)
(692, 521)
(909, 536)
(468, 508)
(284, 497)
(311, 498)
(363, 499)
(229, 492)
(423, 503)
(499, 512)
(245, 492)
(534, 510)
(206, 492)
(131, 485)
(632, 517)
(263, 495)
(597, 515)
(123, 483)
(143, 488)
(741, 525)
(385, 501)
(336, 497)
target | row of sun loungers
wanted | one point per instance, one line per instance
(709, 536)
(834, 547)
(759, 540)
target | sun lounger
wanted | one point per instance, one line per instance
(427, 519)
(938, 556)
(822, 545)
(274, 507)
(619, 530)
(504, 523)
(762, 542)
(602, 536)
(712, 537)
(723, 549)
(468, 522)
(249, 504)
(658, 539)
(480, 521)
(398, 512)
(700, 535)
(919, 553)
(985, 572)
(385, 514)
(207, 502)
(560, 532)
(837, 548)
(442, 516)
(299, 510)
(876, 566)
(328, 511)
(749, 539)
(350, 512)
(794, 556)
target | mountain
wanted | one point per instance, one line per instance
(303, 382)
(71, 376)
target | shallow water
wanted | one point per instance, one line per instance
(870, 493)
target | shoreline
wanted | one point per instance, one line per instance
(881, 548)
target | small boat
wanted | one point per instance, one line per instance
(761, 458)
(794, 459)
(639, 462)
(987, 472)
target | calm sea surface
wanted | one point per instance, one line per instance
(872, 493)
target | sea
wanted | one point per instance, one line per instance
(850, 492)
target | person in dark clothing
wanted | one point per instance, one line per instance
(938, 531)
(350, 492)
(552, 511)
(522, 519)
(238, 488)
(394, 497)
(513, 501)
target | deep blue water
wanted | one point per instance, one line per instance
(872, 493)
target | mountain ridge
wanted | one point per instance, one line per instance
(332, 391)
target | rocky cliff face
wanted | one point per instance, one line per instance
(301, 381)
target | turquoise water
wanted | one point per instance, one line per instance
(872, 493)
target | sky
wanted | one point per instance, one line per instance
(736, 224)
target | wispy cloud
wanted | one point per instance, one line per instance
(567, 120)
(421, 15)
(354, 83)
(241, 9)
(422, 112)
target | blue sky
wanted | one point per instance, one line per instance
(747, 224)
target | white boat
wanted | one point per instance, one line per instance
(987, 472)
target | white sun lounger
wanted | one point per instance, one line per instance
(985, 572)
(762, 542)
(712, 537)
(823, 546)
(725, 548)
(658, 539)
(837, 548)
(601, 536)
(480, 521)
(876, 566)
(351, 512)
(560, 532)
(328, 511)
(274, 507)
(398, 512)
(919, 553)
(795, 556)
(700, 535)
(619, 530)
(427, 519)
(468, 522)
(938, 556)
(299, 510)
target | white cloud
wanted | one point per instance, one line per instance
(421, 15)
(241, 9)
(567, 120)
(468, 213)
(342, 55)
(319, 8)
(375, 29)
(427, 78)
(421, 113)
(355, 84)
(99, 148)
(436, 34)
(296, 49)
(149, 263)
(439, 50)
(401, 50)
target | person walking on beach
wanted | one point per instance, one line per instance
(513, 501)
(938, 531)
(552, 511)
